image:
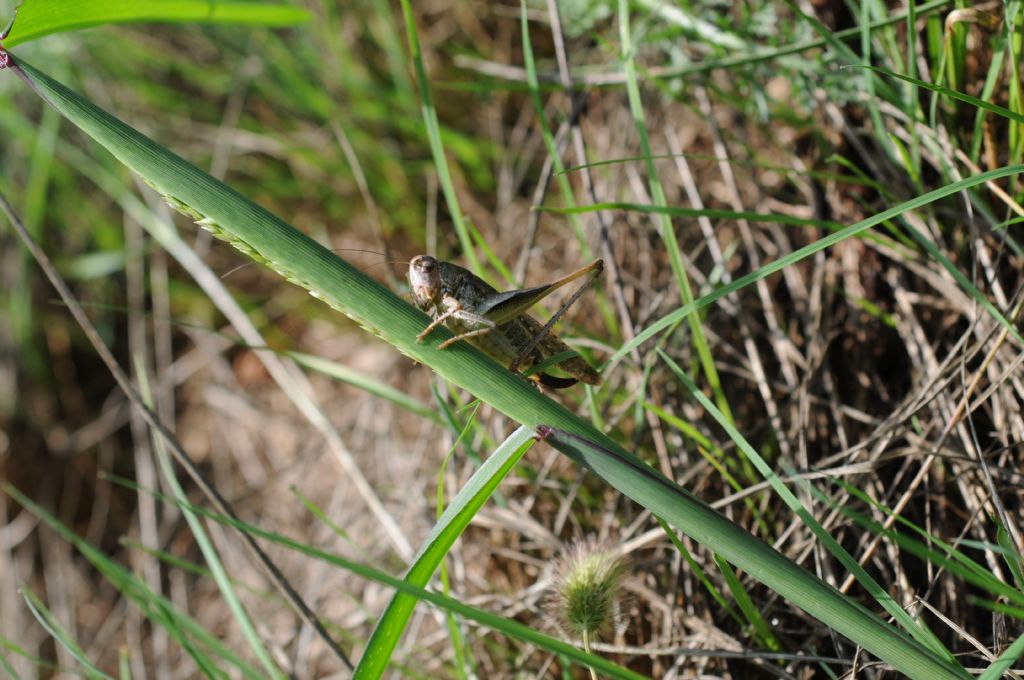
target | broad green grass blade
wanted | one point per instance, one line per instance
(810, 249)
(269, 240)
(449, 527)
(37, 18)
(673, 503)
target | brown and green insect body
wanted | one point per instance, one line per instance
(495, 322)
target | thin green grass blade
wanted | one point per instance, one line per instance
(946, 556)
(35, 660)
(160, 610)
(502, 625)
(5, 664)
(42, 17)
(964, 282)
(47, 620)
(665, 228)
(433, 128)
(449, 527)
(355, 378)
(950, 559)
(810, 249)
(206, 547)
(820, 175)
(551, 362)
(999, 607)
(557, 167)
(1010, 555)
(992, 80)
(911, 96)
(751, 615)
(919, 631)
(922, 634)
(698, 571)
(871, 99)
(175, 562)
(712, 213)
(714, 456)
(1005, 661)
(948, 92)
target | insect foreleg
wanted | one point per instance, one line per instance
(455, 310)
(434, 324)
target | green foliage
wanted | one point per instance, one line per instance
(389, 113)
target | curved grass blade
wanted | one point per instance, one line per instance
(495, 622)
(59, 634)
(767, 270)
(947, 92)
(37, 19)
(682, 211)
(156, 607)
(362, 381)
(449, 527)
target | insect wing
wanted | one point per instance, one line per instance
(503, 307)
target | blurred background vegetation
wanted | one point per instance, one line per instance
(873, 368)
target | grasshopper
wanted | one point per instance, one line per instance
(495, 322)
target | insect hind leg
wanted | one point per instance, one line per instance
(525, 352)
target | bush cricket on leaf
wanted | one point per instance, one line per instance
(497, 323)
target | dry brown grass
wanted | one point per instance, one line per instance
(817, 377)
